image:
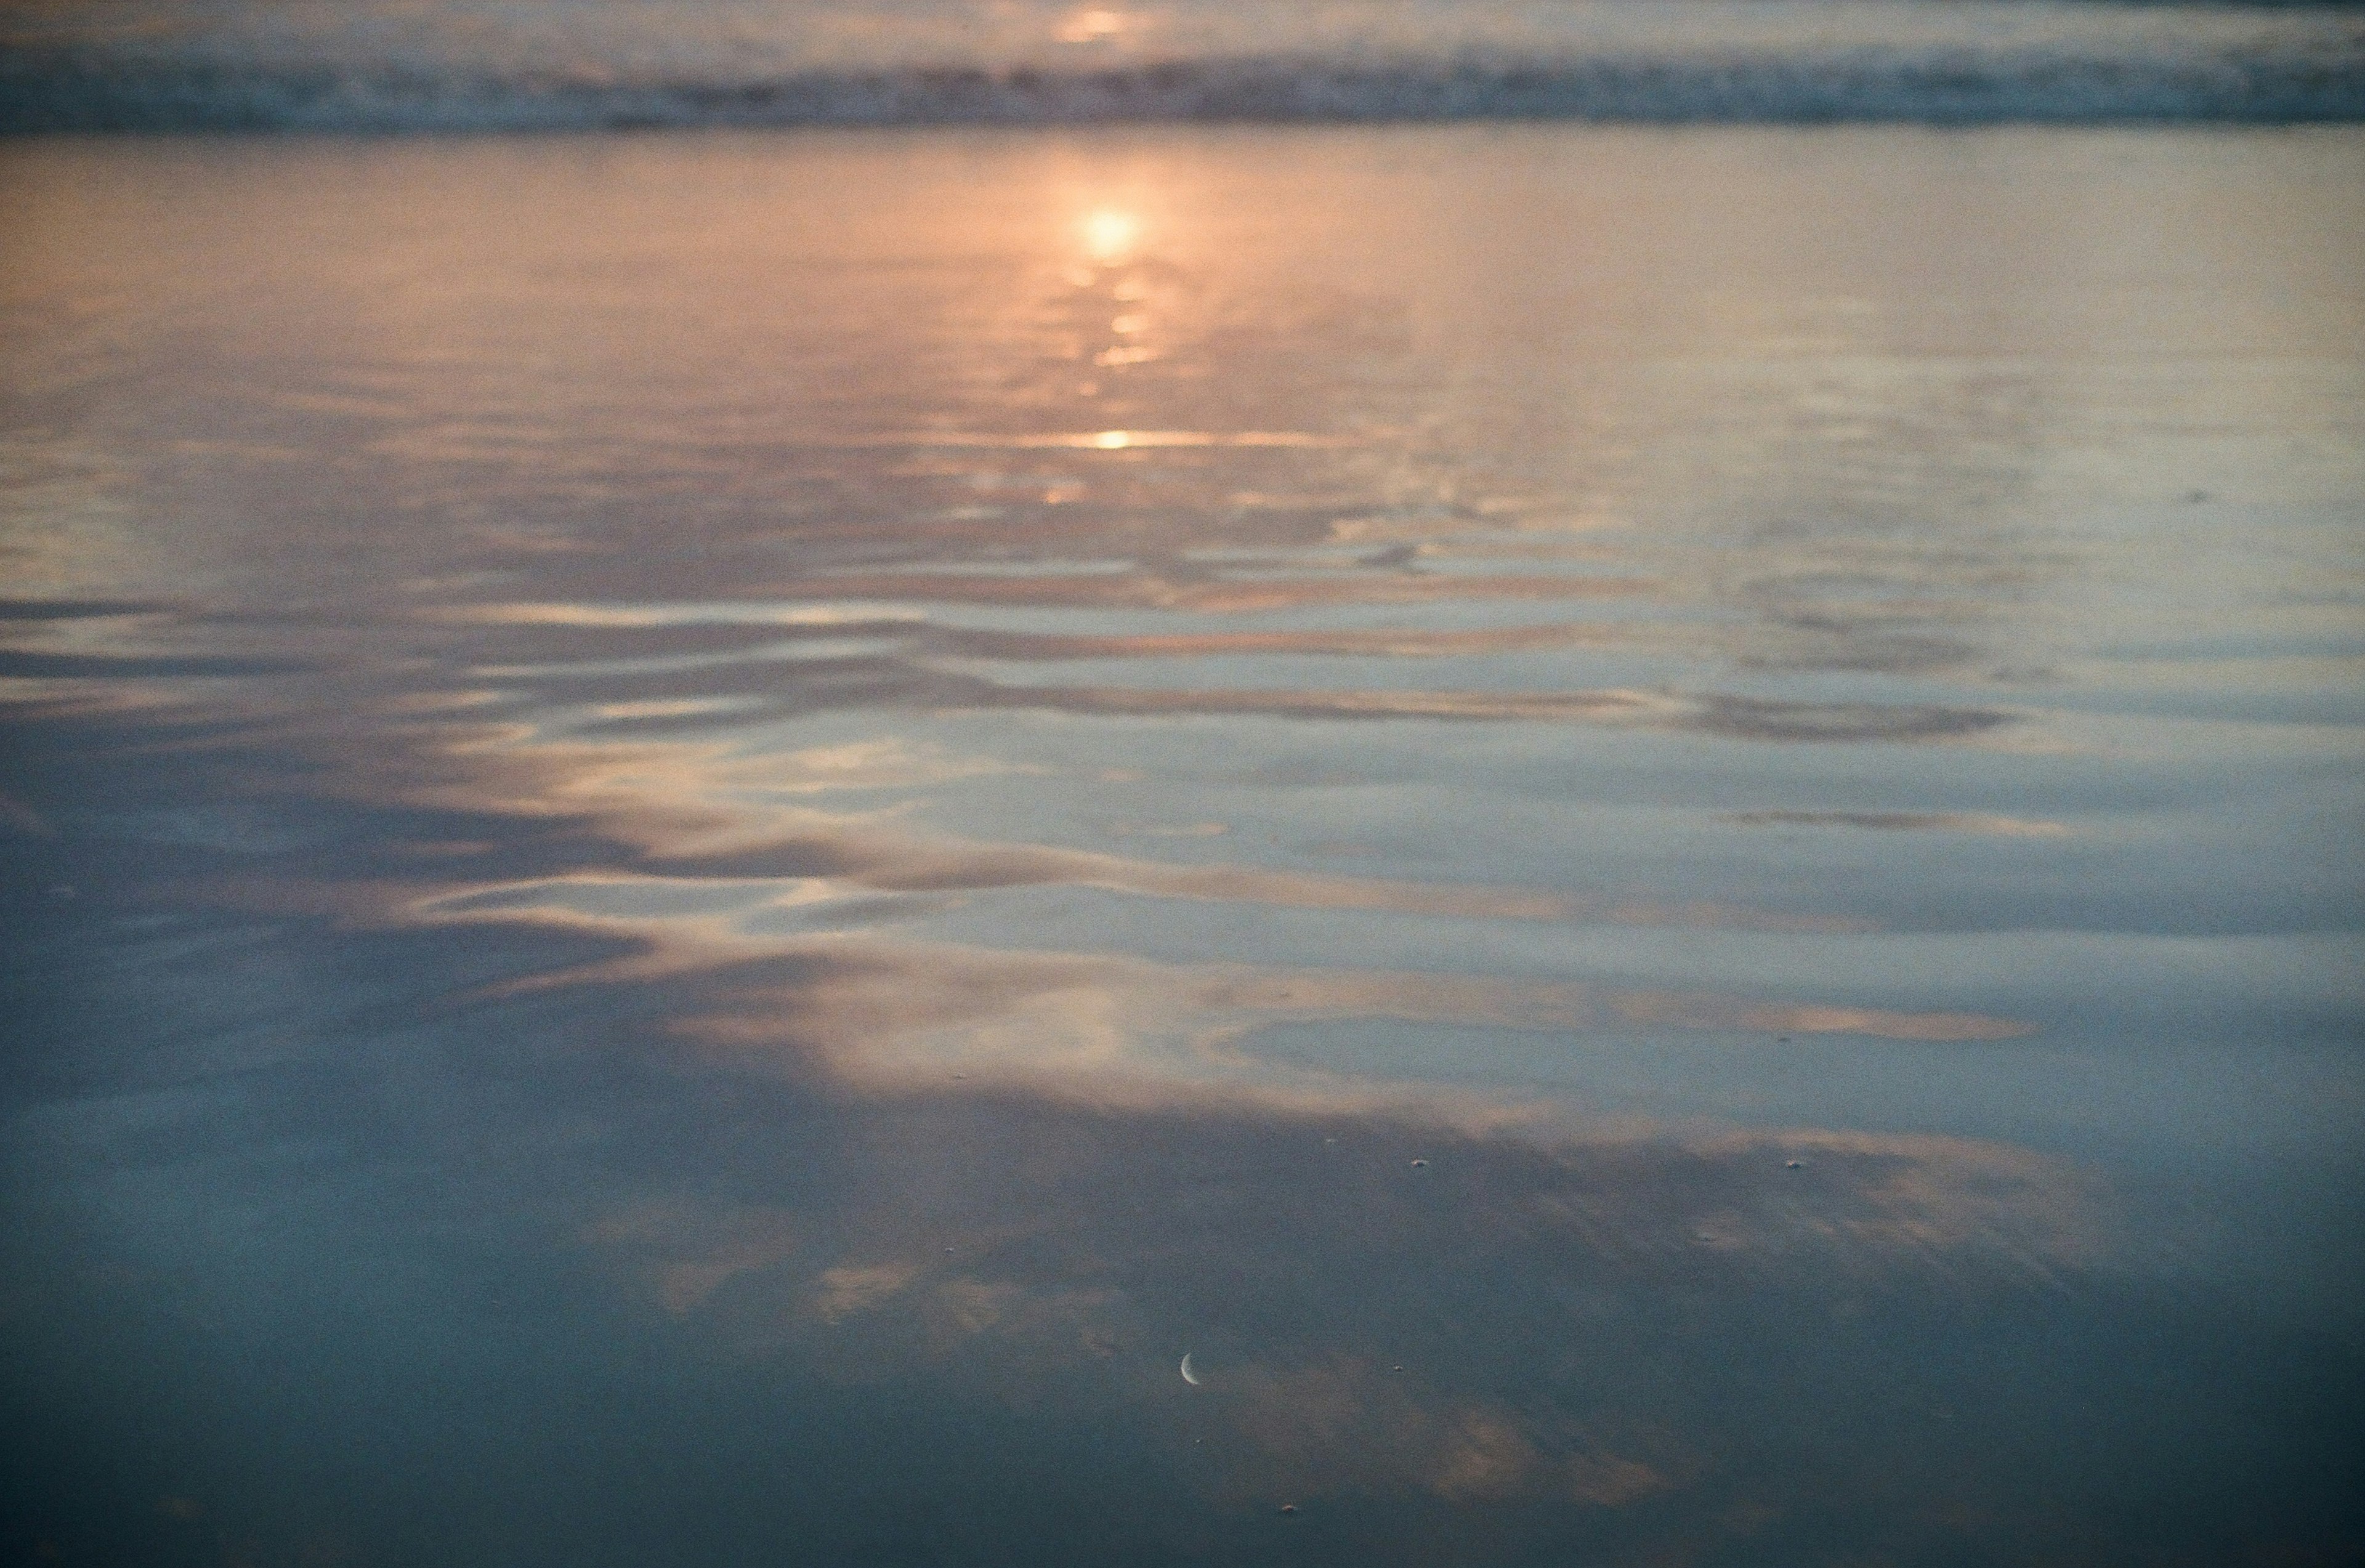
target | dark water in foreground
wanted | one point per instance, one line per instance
(707, 839)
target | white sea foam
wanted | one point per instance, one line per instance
(540, 64)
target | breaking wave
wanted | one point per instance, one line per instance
(1973, 64)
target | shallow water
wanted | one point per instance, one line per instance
(707, 838)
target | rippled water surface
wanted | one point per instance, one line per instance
(707, 839)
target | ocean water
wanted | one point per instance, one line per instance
(708, 837)
(396, 65)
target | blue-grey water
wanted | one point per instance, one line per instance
(707, 837)
(409, 65)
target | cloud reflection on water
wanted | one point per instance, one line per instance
(566, 687)
(1032, 1257)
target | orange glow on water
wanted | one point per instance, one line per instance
(1091, 27)
(1109, 235)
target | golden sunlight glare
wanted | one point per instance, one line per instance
(1108, 234)
(1091, 27)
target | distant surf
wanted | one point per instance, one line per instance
(462, 65)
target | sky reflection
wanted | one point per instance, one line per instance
(1653, 830)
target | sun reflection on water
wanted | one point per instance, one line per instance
(1110, 235)
(1095, 26)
